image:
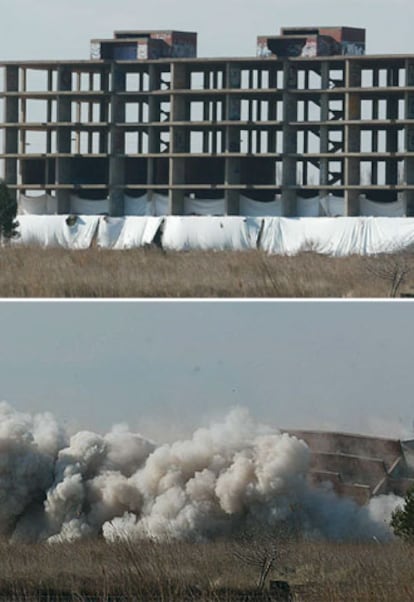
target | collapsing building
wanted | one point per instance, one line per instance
(310, 126)
(359, 466)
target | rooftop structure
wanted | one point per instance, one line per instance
(313, 41)
(142, 45)
(145, 117)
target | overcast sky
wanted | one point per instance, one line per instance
(167, 367)
(61, 29)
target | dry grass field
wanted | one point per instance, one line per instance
(145, 273)
(94, 570)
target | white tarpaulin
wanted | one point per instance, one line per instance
(286, 236)
(210, 233)
(374, 209)
(52, 205)
(88, 207)
(137, 205)
(127, 232)
(251, 208)
(204, 206)
(159, 204)
(55, 231)
(337, 236)
(308, 207)
(43, 204)
(332, 206)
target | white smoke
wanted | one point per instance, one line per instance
(229, 476)
(28, 449)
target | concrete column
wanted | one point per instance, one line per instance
(305, 131)
(250, 114)
(117, 143)
(232, 140)
(11, 140)
(391, 166)
(206, 112)
(90, 116)
(179, 136)
(214, 114)
(154, 116)
(352, 136)
(289, 163)
(104, 113)
(324, 129)
(63, 138)
(374, 135)
(409, 138)
(49, 112)
(78, 117)
(48, 161)
(22, 122)
(272, 112)
(272, 116)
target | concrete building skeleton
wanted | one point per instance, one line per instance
(210, 128)
(359, 466)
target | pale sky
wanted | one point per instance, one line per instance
(61, 29)
(167, 367)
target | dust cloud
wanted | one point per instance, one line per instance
(233, 474)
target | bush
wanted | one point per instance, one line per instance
(8, 210)
(402, 520)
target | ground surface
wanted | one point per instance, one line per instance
(35, 272)
(317, 572)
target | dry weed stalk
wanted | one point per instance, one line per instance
(393, 268)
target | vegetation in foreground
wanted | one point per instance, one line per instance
(145, 273)
(8, 210)
(315, 571)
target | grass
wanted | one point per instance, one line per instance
(148, 273)
(316, 571)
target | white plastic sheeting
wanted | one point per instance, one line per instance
(332, 206)
(204, 206)
(210, 233)
(137, 205)
(337, 236)
(308, 207)
(249, 207)
(371, 208)
(127, 232)
(54, 231)
(88, 207)
(284, 236)
(329, 206)
(159, 204)
(43, 204)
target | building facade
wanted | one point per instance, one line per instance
(145, 116)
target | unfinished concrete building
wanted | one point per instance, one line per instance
(359, 466)
(309, 116)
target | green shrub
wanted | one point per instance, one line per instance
(402, 520)
(8, 210)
